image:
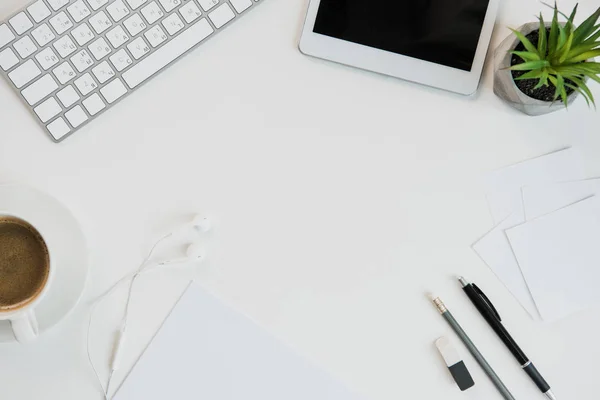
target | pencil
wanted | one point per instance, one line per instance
(472, 349)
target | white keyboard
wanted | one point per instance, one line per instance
(71, 60)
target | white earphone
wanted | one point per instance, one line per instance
(194, 253)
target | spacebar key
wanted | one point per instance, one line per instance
(168, 53)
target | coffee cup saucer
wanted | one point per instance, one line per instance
(70, 253)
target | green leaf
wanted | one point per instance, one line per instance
(590, 66)
(559, 83)
(554, 81)
(543, 38)
(543, 80)
(580, 92)
(592, 76)
(553, 37)
(526, 55)
(529, 65)
(569, 24)
(562, 38)
(564, 52)
(582, 86)
(584, 56)
(561, 89)
(526, 42)
(535, 74)
(594, 36)
(587, 27)
(582, 48)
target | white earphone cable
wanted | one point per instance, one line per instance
(131, 276)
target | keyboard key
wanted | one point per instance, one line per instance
(58, 128)
(58, 4)
(166, 54)
(118, 10)
(96, 4)
(47, 58)
(134, 25)
(48, 109)
(241, 5)
(103, 72)
(65, 46)
(100, 22)
(21, 23)
(82, 61)
(152, 12)
(61, 23)
(76, 116)
(64, 72)
(8, 59)
(24, 73)
(221, 15)
(25, 47)
(82, 34)
(190, 12)
(156, 36)
(68, 96)
(86, 84)
(113, 91)
(79, 11)
(100, 49)
(39, 11)
(43, 35)
(94, 104)
(170, 5)
(117, 37)
(138, 48)
(6, 35)
(136, 3)
(173, 24)
(208, 4)
(121, 60)
(39, 89)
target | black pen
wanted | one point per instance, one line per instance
(488, 311)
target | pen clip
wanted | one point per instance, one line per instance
(487, 301)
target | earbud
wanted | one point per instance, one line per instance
(195, 252)
(201, 223)
(197, 225)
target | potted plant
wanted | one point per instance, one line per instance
(543, 67)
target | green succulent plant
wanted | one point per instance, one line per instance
(562, 55)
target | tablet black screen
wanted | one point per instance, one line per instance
(441, 31)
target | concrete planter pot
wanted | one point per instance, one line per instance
(504, 85)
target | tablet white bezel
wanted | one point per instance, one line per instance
(399, 66)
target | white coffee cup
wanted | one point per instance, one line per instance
(23, 319)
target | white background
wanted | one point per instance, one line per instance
(341, 198)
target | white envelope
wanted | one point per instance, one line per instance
(543, 199)
(494, 249)
(207, 351)
(503, 187)
(559, 255)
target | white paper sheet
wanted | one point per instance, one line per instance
(503, 187)
(559, 255)
(205, 350)
(494, 249)
(543, 199)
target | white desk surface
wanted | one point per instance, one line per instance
(341, 198)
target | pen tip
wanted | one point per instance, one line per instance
(463, 281)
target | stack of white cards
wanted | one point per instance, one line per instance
(545, 246)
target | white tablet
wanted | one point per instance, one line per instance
(440, 43)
